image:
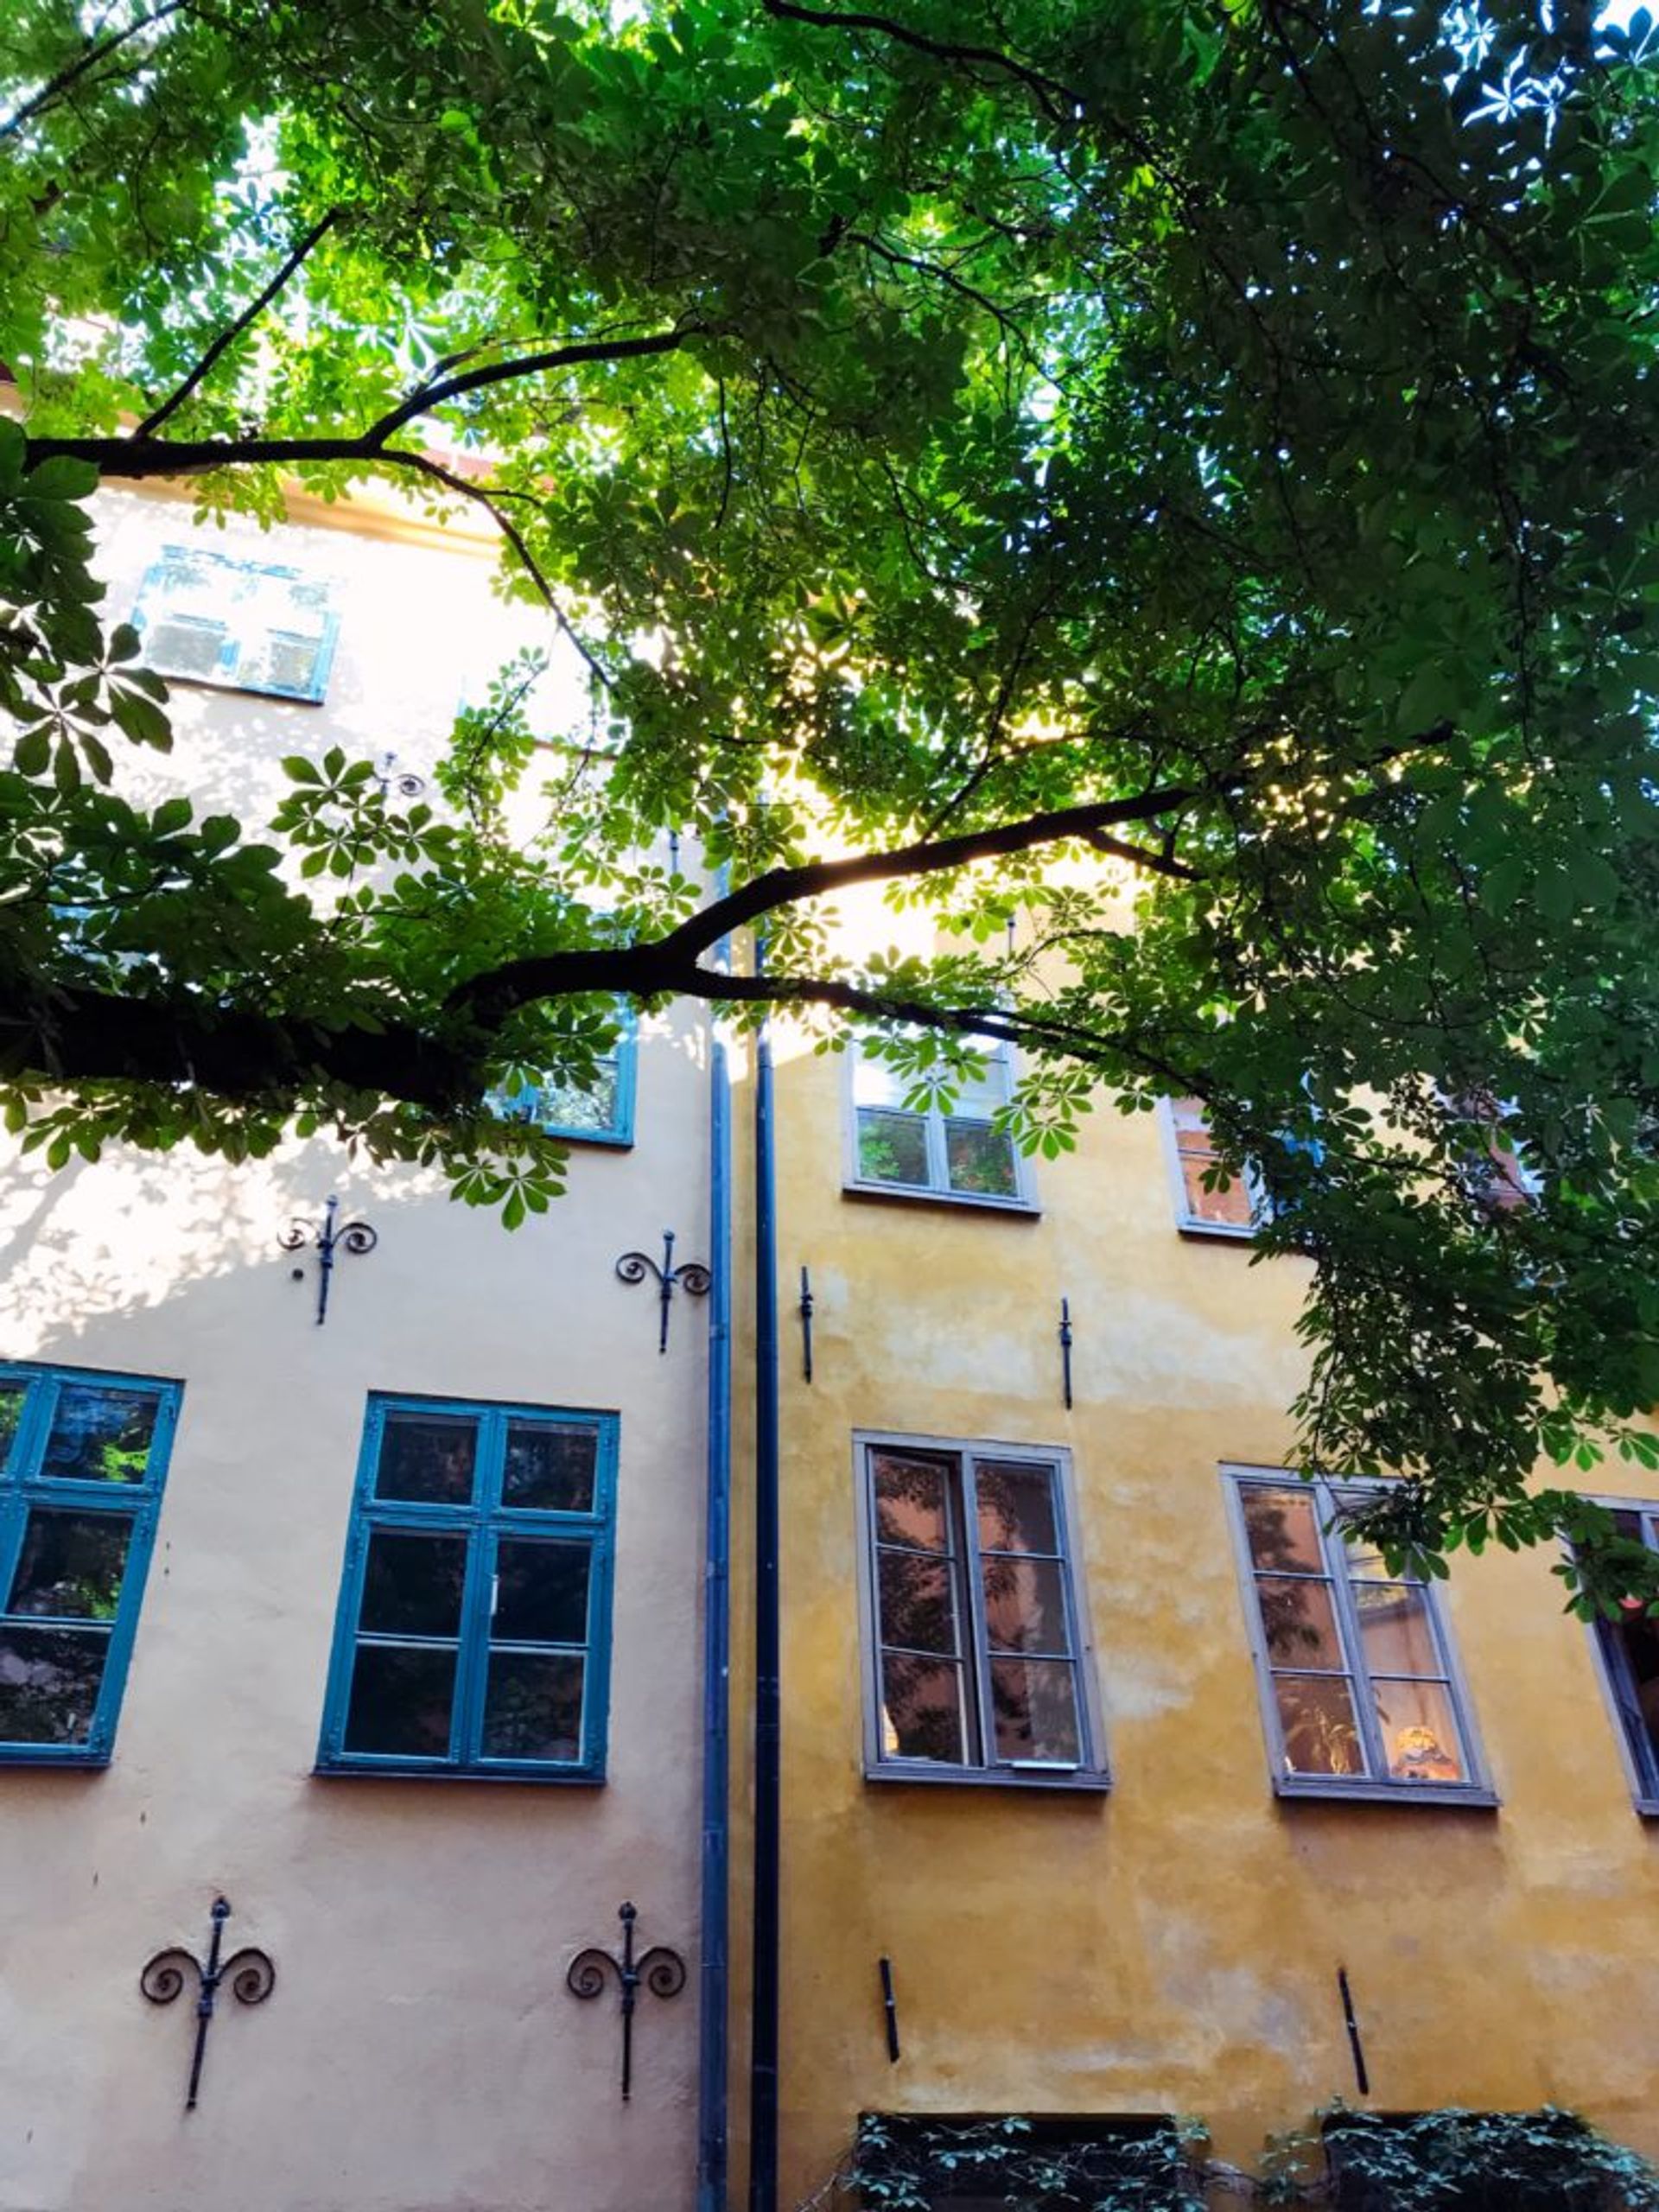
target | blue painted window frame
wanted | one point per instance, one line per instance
(485, 1521)
(620, 1133)
(226, 675)
(23, 1486)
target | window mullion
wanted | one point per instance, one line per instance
(976, 1660)
(939, 1174)
(1347, 1613)
(477, 1613)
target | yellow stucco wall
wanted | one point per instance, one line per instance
(421, 2049)
(1171, 1947)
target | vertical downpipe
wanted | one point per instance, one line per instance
(763, 2059)
(716, 1655)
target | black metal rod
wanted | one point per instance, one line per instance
(890, 2006)
(664, 1289)
(628, 1976)
(763, 2035)
(205, 1995)
(1360, 2077)
(326, 1257)
(806, 1326)
(1065, 1348)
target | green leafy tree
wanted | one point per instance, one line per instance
(1211, 439)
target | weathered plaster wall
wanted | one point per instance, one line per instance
(1172, 1948)
(420, 2052)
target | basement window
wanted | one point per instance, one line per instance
(1010, 2162)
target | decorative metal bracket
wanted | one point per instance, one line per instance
(391, 778)
(693, 1278)
(250, 1972)
(806, 1326)
(662, 1971)
(1065, 1349)
(328, 1236)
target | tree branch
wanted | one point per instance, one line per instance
(228, 337)
(1059, 100)
(54, 87)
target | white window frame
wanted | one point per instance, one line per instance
(1193, 1224)
(1640, 1772)
(937, 1190)
(1478, 1790)
(1092, 1771)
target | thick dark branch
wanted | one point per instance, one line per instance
(520, 981)
(1059, 101)
(228, 337)
(73, 72)
(136, 456)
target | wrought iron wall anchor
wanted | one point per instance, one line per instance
(328, 1237)
(890, 2007)
(693, 1278)
(662, 1971)
(249, 1970)
(1362, 2079)
(806, 1326)
(391, 778)
(1065, 1349)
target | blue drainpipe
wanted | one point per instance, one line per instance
(716, 1655)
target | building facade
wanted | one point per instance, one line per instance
(1113, 1786)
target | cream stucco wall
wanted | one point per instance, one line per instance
(420, 2052)
(1173, 1946)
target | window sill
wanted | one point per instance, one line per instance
(1091, 1781)
(1648, 1808)
(49, 1756)
(601, 1139)
(1220, 1232)
(951, 1201)
(414, 1771)
(239, 690)
(1388, 1793)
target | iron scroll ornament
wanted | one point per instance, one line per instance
(662, 1972)
(250, 1972)
(328, 1236)
(691, 1276)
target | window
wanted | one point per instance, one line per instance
(84, 1460)
(474, 1635)
(602, 1115)
(236, 624)
(1628, 1651)
(974, 1614)
(994, 2164)
(1495, 1173)
(1358, 1692)
(962, 1155)
(1233, 1211)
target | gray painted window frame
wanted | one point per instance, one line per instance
(1190, 1223)
(1477, 1792)
(1645, 1789)
(1093, 1772)
(1023, 1200)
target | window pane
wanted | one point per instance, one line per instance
(1283, 1528)
(540, 1593)
(413, 1584)
(428, 1458)
(891, 1147)
(979, 1159)
(921, 1709)
(1396, 1636)
(1197, 1153)
(1016, 1507)
(1420, 1731)
(12, 1396)
(874, 1083)
(49, 1682)
(1025, 1604)
(1635, 1638)
(100, 1435)
(1035, 1704)
(553, 1105)
(910, 1503)
(549, 1468)
(918, 1602)
(1300, 1622)
(71, 1564)
(979, 1098)
(532, 1706)
(401, 1701)
(1316, 1716)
